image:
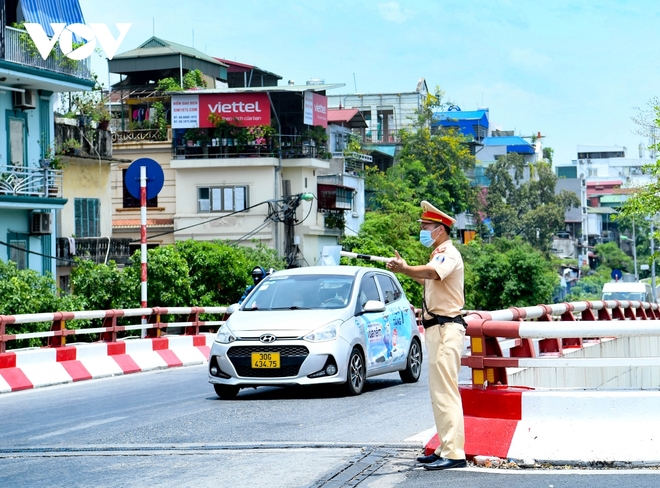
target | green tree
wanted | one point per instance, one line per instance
(432, 165)
(382, 233)
(521, 201)
(103, 286)
(168, 275)
(612, 257)
(26, 291)
(506, 273)
(590, 287)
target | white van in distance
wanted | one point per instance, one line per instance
(620, 290)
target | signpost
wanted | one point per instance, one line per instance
(145, 188)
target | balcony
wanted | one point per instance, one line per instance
(20, 49)
(380, 136)
(354, 163)
(30, 181)
(284, 146)
(334, 197)
(93, 142)
(97, 249)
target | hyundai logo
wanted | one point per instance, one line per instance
(267, 338)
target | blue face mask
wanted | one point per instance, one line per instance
(425, 238)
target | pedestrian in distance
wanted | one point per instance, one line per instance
(444, 326)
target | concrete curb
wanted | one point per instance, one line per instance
(36, 368)
(574, 427)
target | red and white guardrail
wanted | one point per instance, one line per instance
(558, 326)
(61, 363)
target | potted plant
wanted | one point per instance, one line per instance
(70, 147)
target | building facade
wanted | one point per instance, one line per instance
(31, 191)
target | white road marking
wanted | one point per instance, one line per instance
(84, 426)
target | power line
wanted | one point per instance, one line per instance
(36, 253)
(246, 236)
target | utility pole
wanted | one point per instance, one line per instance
(634, 250)
(655, 297)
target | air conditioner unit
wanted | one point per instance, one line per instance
(25, 100)
(41, 223)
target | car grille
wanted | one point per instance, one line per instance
(291, 358)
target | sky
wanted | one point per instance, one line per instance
(575, 71)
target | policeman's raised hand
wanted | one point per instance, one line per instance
(396, 264)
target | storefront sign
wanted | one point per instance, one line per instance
(316, 109)
(244, 109)
(185, 111)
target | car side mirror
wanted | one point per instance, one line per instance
(373, 306)
(232, 308)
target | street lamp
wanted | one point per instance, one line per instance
(634, 250)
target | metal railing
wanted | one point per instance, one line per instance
(20, 49)
(138, 135)
(556, 327)
(285, 146)
(97, 249)
(378, 136)
(30, 181)
(109, 331)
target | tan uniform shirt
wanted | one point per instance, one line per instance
(445, 296)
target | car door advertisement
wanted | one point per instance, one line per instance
(388, 336)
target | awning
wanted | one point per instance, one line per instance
(601, 210)
(352, 117)
(386, 150)
(44, 12)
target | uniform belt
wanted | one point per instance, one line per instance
(442, 320)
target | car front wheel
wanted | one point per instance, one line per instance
(414, 363)
(356, 374)
(226, 392)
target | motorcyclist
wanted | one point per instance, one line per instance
(258, 274)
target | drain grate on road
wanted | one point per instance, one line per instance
(356, 471)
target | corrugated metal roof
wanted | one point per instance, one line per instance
(505, 141)
(236, 67)
(155, 46)
(130, 223)
(613, 199)
(351, 116)
(341, 114)
(252, 89)
(461, 115)
(56, 11)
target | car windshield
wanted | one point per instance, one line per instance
(301, 292)
(624, 295)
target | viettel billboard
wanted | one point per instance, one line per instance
(243, 109)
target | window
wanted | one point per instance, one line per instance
(129, 201)
(16, 141)
(389, 289)
(87, 212)
(18, 247)
(368, 290)
(222, 198)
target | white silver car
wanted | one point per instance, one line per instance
(322, 324)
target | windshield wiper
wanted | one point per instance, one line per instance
(292, 307)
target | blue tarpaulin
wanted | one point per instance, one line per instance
(45, 12)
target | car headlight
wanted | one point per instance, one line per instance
(328, 332)
(225, 335)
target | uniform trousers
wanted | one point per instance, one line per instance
(444, 345)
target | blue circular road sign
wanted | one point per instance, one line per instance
(155, 178)
(617, 274)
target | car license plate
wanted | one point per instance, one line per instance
(263, 360)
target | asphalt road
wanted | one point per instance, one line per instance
(168, 428)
